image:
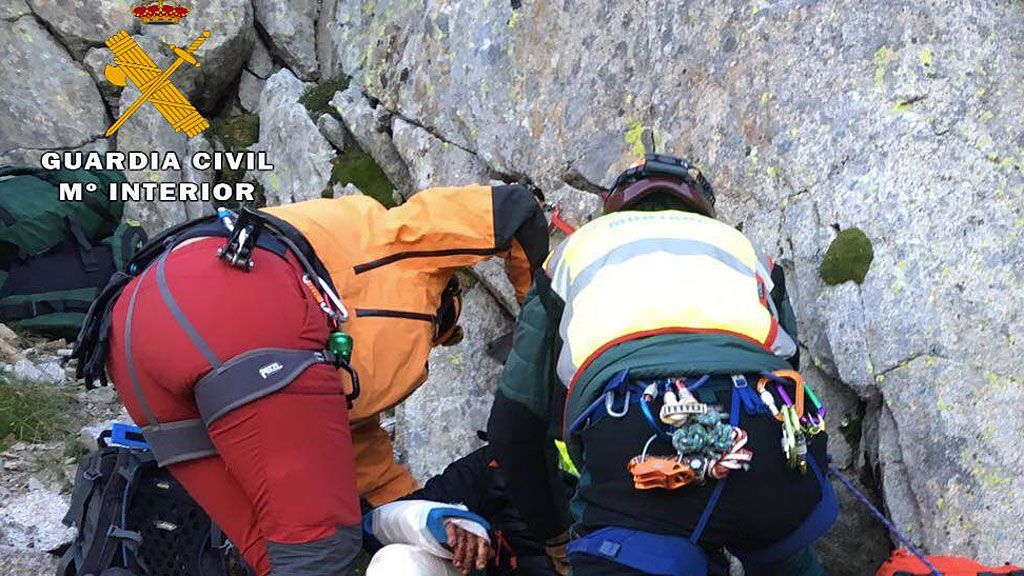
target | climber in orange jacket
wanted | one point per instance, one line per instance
(219, 349)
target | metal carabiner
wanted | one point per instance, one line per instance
(609, 404)
(768, 398)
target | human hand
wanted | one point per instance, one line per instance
(469, 551)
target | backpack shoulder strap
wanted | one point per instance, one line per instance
(110, 535)
(89, 472)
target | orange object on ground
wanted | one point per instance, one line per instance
(903, 563)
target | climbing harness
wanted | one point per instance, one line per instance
(232, 382)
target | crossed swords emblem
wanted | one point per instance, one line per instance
(132, 63)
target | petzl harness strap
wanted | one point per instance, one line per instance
(242, 379)
(180, 441)
(179, 316)
(251, 376)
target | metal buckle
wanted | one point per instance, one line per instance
(238, 251)
(609, 404)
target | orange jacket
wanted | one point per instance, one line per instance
(390, 268)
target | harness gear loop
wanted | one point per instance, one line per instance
(609, 404)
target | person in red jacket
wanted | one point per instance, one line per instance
(220, 351)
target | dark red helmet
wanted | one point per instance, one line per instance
(661, 173)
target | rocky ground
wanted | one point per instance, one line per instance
(900, 120)
(47, 421)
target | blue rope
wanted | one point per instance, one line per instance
(888, 523)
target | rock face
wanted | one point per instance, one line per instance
(250, 87)
(808, 118)
(300, 154)
(433, 162)
(369, 125)
(147, 131)
(291, 28)
(83, 24)
(48, 101)
(221, 56)
(438, 423)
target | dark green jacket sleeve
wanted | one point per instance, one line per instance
(521, 422)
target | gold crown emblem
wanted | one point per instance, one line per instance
(160, 12)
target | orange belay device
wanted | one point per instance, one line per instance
(903, 563)
(667, 472)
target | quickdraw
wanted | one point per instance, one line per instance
(794, 442)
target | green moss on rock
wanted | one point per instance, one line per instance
(847, 258)
(237, 133)
(317, 99)
(354, 166)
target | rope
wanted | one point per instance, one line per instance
(884, 520)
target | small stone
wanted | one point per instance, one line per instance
(25, 370)
(8, 335)
(52, 345)
(33, 520)
(103, 395)
(52, 371)
(333, 130)
(350, 189)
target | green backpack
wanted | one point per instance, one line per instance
(55, 256)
